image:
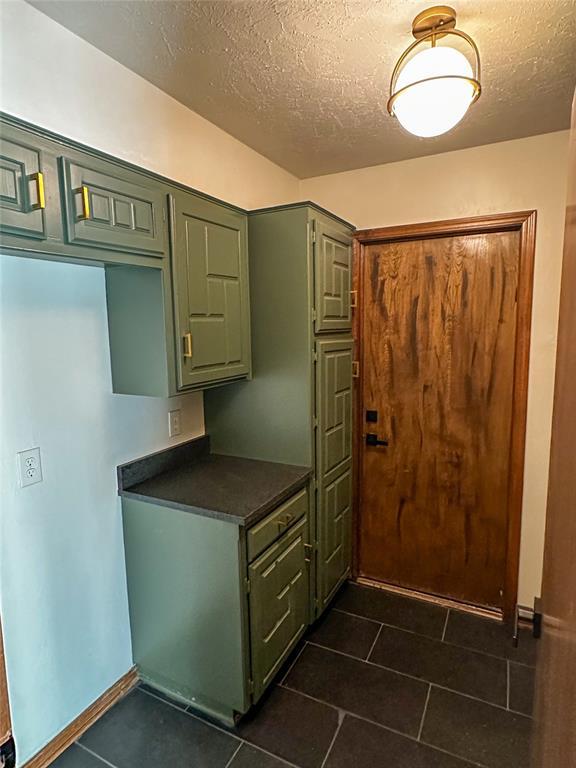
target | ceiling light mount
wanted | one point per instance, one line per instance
(438, 18)
(430, 91)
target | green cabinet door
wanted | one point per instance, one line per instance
(21, 190)
(210, 273)
(333, 464)
(332, 277)
(113, 208)
(279, 604)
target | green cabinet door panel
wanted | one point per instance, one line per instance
(333, 463)
(210, 270)
(110, 207)
(21, 190)
(185, 576)
(332, 277)
(334, 536)
(333, 406)
(279, 604)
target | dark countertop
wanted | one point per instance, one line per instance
(190, 478)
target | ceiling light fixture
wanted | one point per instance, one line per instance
(431, 91)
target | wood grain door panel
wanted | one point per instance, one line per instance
(438, 332)
(555, 712)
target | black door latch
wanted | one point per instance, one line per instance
(372, 439)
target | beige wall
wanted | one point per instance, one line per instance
(511, 176)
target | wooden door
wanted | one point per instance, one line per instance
(441, 371)
(332, 277)
(555, 714)
(333, 463)
(279, 608)
(109, 207)
(21, 189)
(210, 266)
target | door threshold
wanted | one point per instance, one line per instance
(488, 613)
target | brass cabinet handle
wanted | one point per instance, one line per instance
(355, 370)
(187, 345)
(308, 549)
(353, 299)
(284, 521)
(38, 177)
(85, 193)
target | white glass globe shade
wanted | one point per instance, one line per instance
(431, 108)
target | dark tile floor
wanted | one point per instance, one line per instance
(381, 681)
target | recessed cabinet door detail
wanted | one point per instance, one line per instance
(114, 210)
(333, 278)
(335, 535)
(210, 270)
(21, 190)
(279, 608)
(334, 461)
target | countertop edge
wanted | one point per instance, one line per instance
(241, 521)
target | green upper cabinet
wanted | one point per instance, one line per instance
(333, 277)
(22, 194)
(210, 274)
(109, 207)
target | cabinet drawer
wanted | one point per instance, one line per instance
(279, 604)
(276, 523)
(113, 209)
(21, 190)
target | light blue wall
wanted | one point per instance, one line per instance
(63, 591)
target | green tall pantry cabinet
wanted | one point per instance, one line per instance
(298, 407)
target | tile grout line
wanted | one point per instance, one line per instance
(291, 667)
(95, 754)
(384, 727)
(221, 729)
(410, 677)
(374, 643)
(238, 748)
(431, 637)
(336, 732)
(443, 638)
(424, 713)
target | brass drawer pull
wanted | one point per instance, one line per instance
(286, 520)
(85, 194)
(353, 299)
(187, 345)
(41, 197)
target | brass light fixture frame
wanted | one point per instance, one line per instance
(432, 24)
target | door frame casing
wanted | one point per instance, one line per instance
(523, 222)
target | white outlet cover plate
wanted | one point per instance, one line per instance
(174, 423)
(29, 467)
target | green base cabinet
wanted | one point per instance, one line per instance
(298, 407)
(209, 627)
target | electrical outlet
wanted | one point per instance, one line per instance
(174, 423)
(29, 467)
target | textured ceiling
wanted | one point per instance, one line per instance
(305, 82)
